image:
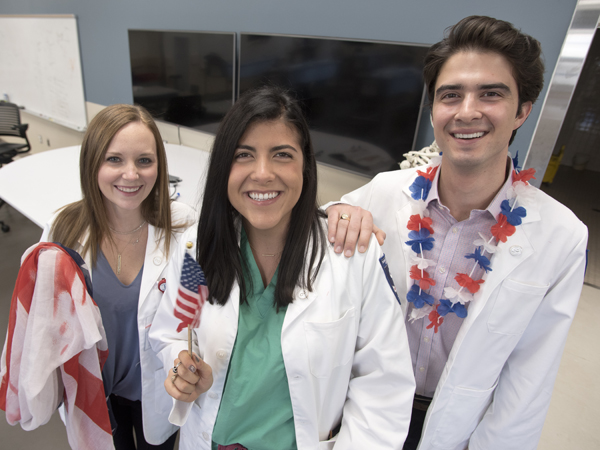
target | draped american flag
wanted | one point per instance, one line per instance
(55, 331)
(191, 295)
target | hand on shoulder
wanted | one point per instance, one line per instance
(351, 226)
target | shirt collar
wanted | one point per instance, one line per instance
(494, 207)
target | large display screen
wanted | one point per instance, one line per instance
(186, 78)
(363, 99)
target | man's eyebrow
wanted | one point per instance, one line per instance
(481, 87)
(500, 86)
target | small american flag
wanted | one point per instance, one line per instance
(192, 294)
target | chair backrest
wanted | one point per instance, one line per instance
(10, 120)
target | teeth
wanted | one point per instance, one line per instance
(131, 189)
(263, 197)
(468, 136)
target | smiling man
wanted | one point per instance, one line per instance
(489, 268)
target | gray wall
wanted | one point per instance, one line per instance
(103, 28)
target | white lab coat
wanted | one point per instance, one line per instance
(156, 403)
(345, 352)
(495, 389)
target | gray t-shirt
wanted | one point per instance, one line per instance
(118, 305)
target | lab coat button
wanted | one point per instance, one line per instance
(221, 354)
(157, 260)
(205, 435)
(516, 250)
(213, 395)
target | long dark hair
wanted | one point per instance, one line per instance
(218, 251)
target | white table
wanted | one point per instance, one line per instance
(39, 184)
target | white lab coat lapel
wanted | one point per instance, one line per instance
(234, 303)
(88, 257)
(302, 300)
(154, 263)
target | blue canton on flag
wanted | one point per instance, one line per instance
(191, 295)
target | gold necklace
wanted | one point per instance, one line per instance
(269, 255)
(125, 248)
(128, 232)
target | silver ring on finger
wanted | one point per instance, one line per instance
(344, 217)
(175, 367)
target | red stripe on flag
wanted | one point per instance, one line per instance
(188, 297)
(185, 320)
(184, 307)
(92, 400)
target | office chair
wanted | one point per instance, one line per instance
(10, 125)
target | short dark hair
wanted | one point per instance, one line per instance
(218, 251)
(486, 34)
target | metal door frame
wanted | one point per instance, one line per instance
(562, 85)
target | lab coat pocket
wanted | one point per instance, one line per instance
(330, 344)
(326, 445)
(514, 306)
(461, 415)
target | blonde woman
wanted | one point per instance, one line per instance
(125, 228)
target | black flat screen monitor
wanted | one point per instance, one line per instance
(185, 78)
(362, 98)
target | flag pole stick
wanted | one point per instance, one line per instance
(190, 340)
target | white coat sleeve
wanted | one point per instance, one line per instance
(46, 232)
(516, 415)
(377, 410)
(166, 342)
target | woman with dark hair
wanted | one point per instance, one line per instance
(125, 228)
(307, 348)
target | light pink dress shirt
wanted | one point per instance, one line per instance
(453, 240)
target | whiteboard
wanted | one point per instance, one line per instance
(40, 67)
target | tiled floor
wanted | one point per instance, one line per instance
(575, 408)
(572, 420)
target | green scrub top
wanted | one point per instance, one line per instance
(256, 409)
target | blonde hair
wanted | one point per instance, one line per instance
(88, 213)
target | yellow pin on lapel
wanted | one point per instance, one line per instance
(189, 244)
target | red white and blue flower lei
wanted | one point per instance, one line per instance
(421, 230)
